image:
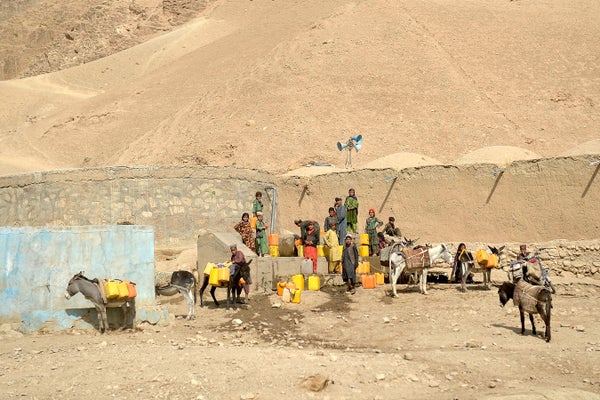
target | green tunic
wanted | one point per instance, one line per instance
(262, 244)
(257, 206)
(351, 204)
(371, 226)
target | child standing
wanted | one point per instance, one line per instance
(262, 246)
(257, 205)
(331, 241)
(349, 263)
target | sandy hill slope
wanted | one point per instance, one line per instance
(274, 85)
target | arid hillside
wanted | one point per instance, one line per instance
(275, 85)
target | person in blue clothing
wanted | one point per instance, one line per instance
(349, 263)
(342, 225)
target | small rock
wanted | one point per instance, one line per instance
(247, 396)
(236, 321)
(473, 344)
(250, 122)
(380, 377)
(580, 328)
(276, 305)
(386, 320)
(492, 385)
(316, 383)
(408, 356)
(434, 384)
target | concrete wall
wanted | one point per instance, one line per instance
(176, 201)
(36, 263)
(265, 271)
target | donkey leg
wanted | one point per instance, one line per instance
(212, 293)
(204, 285)
(546, 317)
(393, 280)
(190, 302)
(464, 272)
(424, 281)
(522, 314)
(544, 311)
(228, 294)
(102, 318)
(487, 279)
(532, 324)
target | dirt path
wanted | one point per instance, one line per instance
(444, 345)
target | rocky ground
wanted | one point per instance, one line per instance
(447, 344)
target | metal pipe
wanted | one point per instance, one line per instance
(273, 207)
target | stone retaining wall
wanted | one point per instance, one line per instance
(581, 258)
(176, 201)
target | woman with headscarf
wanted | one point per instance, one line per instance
(458, 259)
(310, 238)
(351, 204)
(245, 230)
(371, 228)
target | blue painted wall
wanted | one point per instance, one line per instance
(36, 263)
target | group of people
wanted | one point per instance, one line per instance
(340, 225)
(255, 238)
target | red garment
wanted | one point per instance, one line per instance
(311, 252)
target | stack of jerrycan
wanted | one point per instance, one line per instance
(118, 290)
(273, 240)
(363, 249)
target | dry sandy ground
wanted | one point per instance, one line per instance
(446, 345)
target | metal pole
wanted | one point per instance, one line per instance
(273, 207)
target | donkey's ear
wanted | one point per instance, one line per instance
(501, 248)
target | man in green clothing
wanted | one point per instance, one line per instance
(351, 204)
(391, 232)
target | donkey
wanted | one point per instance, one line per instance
(171, 283)
(467, 265)
(234, 286)
(91, 290)
(530, 299)
(398, 262)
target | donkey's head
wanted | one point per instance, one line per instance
(72, 287)
(505, 292)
